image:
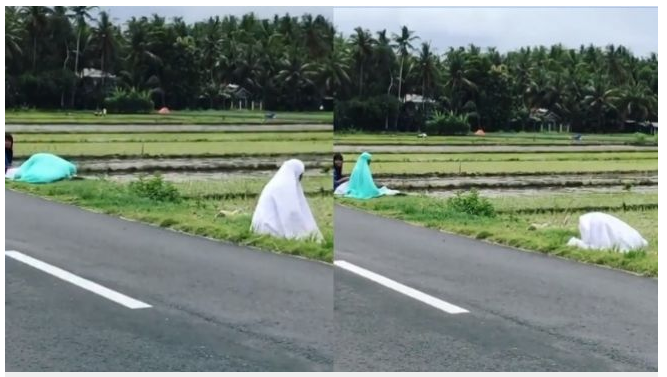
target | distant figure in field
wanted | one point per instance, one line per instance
(339, 178)
(282, 209)
(9, 150)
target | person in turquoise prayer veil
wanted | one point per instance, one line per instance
(361, 185)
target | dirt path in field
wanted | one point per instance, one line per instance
(75, 128)
(485, 148)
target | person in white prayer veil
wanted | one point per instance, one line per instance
(605, 232)
(282, 210)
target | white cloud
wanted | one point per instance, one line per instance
(510, 28)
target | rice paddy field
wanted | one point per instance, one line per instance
(219, 176)
(517, 138)
(174, 117)
(538, 184)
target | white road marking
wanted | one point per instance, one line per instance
(398, 287)
(107, 293)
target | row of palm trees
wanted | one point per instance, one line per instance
(283, 61)
(590, 88)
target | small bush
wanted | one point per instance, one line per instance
(472, 204)
(129, 102)
(448, 124)
(155, 188)
(640, 138)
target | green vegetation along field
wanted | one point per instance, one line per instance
(505, 167)
(519, 138)
(175, 117)
(171, 137)
(495, 157)
(153, 149)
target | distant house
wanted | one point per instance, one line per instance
(418, 99)
(239, 96)
(96, 85)
(546, 120)
(95, 74)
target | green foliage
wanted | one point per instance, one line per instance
(374, 113)
(284, 61)
(448, 124)
(130, 101)
(155, 188)
(472, 204)
(639, 138)
(590, 89)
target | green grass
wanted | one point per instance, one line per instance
(504, 167)
(513, 229)
(565, 201)
(195, 216)
(173, 148)
(519, 138)
(176, 117)
(573, 200)
(171, 137)
(534, 156)
(247, 186)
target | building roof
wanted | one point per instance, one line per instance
(236, 91)
(95, 73)
(416, 98)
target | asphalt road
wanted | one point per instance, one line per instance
(215, 307)
(527, 311)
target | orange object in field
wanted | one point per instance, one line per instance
(164, 110)
(480, 132)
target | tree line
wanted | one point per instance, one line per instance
(589, 88)
(283, 61)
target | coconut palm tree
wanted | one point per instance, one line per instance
(103, 38)
(35, 20)
(600, 98)
(427, 69)
(404, 47)
(80, 15)
(637, 100)
(12, 33)
(362, 48)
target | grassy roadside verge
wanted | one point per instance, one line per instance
(516, 230)
(193, 215)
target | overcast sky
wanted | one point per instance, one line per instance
(200, 13)
(510, 28)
